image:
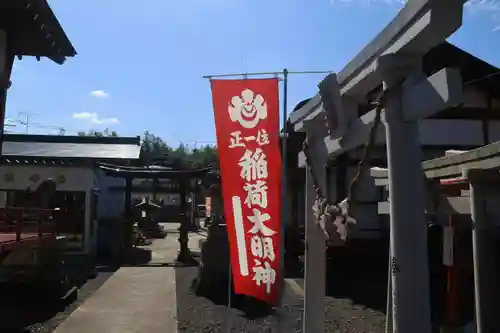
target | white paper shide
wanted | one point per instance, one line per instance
(248, 109)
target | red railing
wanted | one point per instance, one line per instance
(26, 222)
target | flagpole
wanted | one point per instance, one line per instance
(284, 175)
(283, 137)
(229, 318)
(209, 77)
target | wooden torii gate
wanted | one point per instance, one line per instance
(392, 59)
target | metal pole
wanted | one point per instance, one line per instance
(408, 230)
(229, 294)
(265, 73)
(284, 173)
(283, 138)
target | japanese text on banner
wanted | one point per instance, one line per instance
(251, 168)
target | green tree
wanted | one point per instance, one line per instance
(155, 150)
(106, 133)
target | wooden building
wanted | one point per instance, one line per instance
(83, 191)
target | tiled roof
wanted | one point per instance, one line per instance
(54, 147)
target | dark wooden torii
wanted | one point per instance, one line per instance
(185, 178)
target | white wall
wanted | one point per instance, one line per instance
(17, 177)
(76, 179)
(110, 203)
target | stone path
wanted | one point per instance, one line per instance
(135, 299)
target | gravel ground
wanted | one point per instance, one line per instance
(20, 313)
(197, 314)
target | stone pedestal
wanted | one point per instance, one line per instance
(213, 274)
(184, 256)
(214, 277)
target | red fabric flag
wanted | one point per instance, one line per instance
(247, 125)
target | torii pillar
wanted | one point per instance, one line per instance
(416, 98)
(408, 230)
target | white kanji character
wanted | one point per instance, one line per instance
(250, 138)
(264, 274)
(268, 248)
(262, 138)
(256, 194)
(258, 219)
(253, 165)
(256, 246)
(236, 140)
(262, 247)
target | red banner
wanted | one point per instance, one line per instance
(247, 126)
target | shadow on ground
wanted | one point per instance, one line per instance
(217, 292)
(27, 308)
(22, 307)
(358, 276)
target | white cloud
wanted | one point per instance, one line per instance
(105, 121)
(99, 93)
(94, 118)
(483, 5)
(84, 115)
(489, 7)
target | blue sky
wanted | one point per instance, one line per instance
(139, 64)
